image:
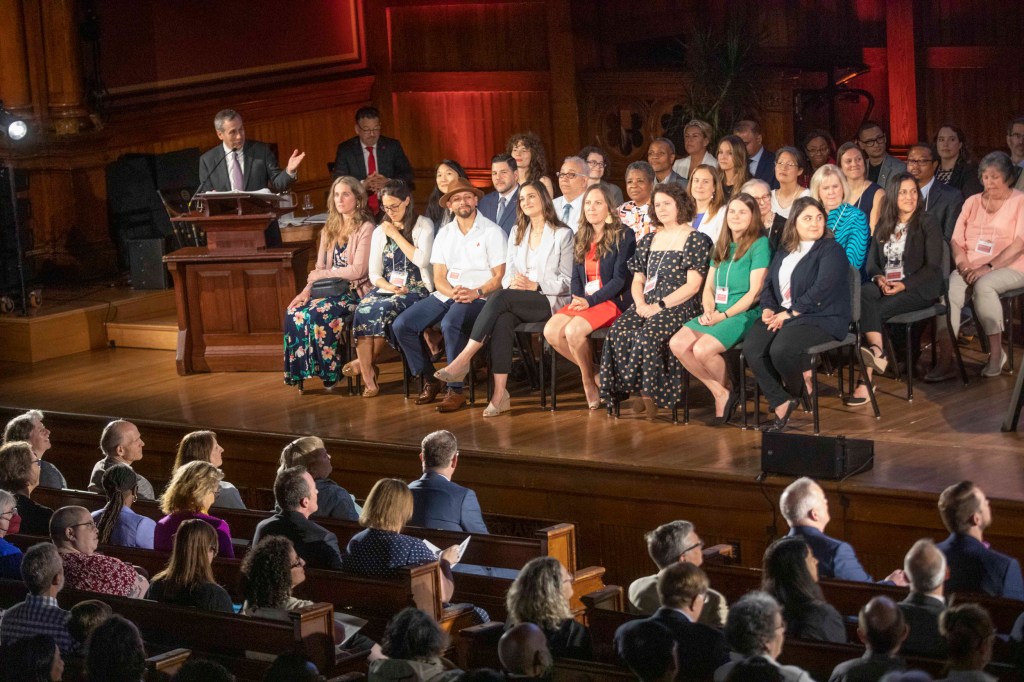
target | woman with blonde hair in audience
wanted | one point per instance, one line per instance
(189, 496)
(789, 169)
(202, 446)
(333, 501)
(10, 524)
(847, 223)
(705, 186)
(636, 214)
(540, 595)
(988, 253)
(864, 194)
(600, 287)
(117, 523)
(774, 224)
(790, 574)
(445, 173)
(696, 140)
(29, 427)
(820, 148)
(313, 326)
(955, 166)
(730, 296)
(19, 474)
(538, 274)
(732, 162)
(668, 268)
(531, 160)
(401, 274)
(188, 579)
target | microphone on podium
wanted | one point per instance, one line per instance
(234, 150)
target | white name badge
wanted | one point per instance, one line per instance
(454, 275)
(592, 287)
(894, 274)
(398, 278)
(985, 248)
(650, 284)
(721, 294)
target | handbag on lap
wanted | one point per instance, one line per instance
(330, 286)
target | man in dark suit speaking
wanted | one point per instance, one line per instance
(372, 158)
(244, 165)
(437, 502)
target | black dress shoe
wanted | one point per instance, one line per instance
(730, 408)
(779, 424)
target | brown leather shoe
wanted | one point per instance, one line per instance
(429, 392)
(452, 402)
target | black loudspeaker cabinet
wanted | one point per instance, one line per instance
(146, 260)
(821, 457)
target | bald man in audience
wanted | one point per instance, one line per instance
(120, 443)
(701, 650)
(649, 650)
(523, 652)
(572, 181)
(880, 626)
(925, 567)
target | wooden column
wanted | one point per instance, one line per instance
(14, 81)
(64, 90)
(565, 114)
(902, 70)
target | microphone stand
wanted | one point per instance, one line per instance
(17, 237)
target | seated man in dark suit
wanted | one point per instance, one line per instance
(501, 205)
(973, 567)
(880, 626)
(682, 589)
(244, 165)
(296, 495)
(437, 502)
(648, 649)
(941, 201)
(925, 567)
(762, 161)
(372, 158)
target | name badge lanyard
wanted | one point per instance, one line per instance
(722, 293)
(653, 280)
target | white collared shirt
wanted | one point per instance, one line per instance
(473, 254)
(575, 207)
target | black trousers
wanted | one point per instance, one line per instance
(876, 308)
(778, 359)
(504, 310)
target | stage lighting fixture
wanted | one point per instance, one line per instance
(12, 126)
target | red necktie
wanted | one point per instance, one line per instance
(371, 168)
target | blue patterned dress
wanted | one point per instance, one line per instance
(377, 311)
(312, 334)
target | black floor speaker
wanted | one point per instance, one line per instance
(146, 260)
(823, 457)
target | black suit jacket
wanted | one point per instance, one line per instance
(261, 169)
(488, 208)
(391, 160)
(615, 275)
(922, 257)
(820, 288)
(315, 544)
(944, 203)
(439, 503)
(922, 615)
(765, 169)
(701, 649)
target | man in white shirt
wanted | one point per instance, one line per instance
(572, 180)
(469, 261)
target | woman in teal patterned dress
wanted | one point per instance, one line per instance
(400, 273)
(312, 327)
(731, 294)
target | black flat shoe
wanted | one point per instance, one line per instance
(730, 409)
(779, 424)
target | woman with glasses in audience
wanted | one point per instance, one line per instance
(600, 287)
(730, 296)
(538, 274)
(790, 574)
(696, 140)
(636, 213)
(847, 223)
(732, 162)
(820, 148)
(29, 427)
(669, 267)
(313, 326)
(705, 186)
(540, 595)
(761, 192)
(789, 173)
(597, 163)
(531, 160)
(10, 524)
(19, 474)
(805, 301)
(445, 173)
(188, 579)
(864, 194)
(189, 496)
(955, 166)
(117, 523)
(401, 275)
(202, 446)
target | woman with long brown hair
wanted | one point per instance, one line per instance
(188, 579)
(313, 325)
(531, 161)
(202, 446)
(732, 162)
(538, 274)
(117, 523)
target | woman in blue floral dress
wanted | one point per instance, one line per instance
(401, 275)
(312, 327)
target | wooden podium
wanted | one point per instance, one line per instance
(232, 293)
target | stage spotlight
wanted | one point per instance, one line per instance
(13, 126)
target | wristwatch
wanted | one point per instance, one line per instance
(480, 293)
(661, 303)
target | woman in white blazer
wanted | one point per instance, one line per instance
(537, 282)
(401, 275)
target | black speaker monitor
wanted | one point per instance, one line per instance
(821, 457)
(146, 259)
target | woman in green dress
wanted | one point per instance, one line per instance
(731, 290)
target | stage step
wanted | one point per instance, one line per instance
(156, 333)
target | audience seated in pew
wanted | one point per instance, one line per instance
(188, 579)
(523, 652)
(32, 659)
(202, 446)
(756, 628)
(438, 502)
(540, 595)
(74, 534)
(188, 496)
(969, 636)
(120, 443)
(20, 476)
(10, 524)
(791, 576)
(85, 617)
(198, 670)
(649, 650)
(115, 652)
(701, 649)
(882, 629)
(29, 427)
(333, 501)
(925, 568)
(413, 647)
(297, 498)
(292, 666)
(43, 574)
(117, 522)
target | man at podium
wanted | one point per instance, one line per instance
(237, 164)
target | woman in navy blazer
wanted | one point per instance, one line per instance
(806, 301)
(600, 286)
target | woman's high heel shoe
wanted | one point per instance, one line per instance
(780, 422)
(351, 369)
(450, 377)
(730, 408)
(504, 405)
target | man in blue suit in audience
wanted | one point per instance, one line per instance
(501, 205)
(437, 502)
(761, 160)
(973, 566)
